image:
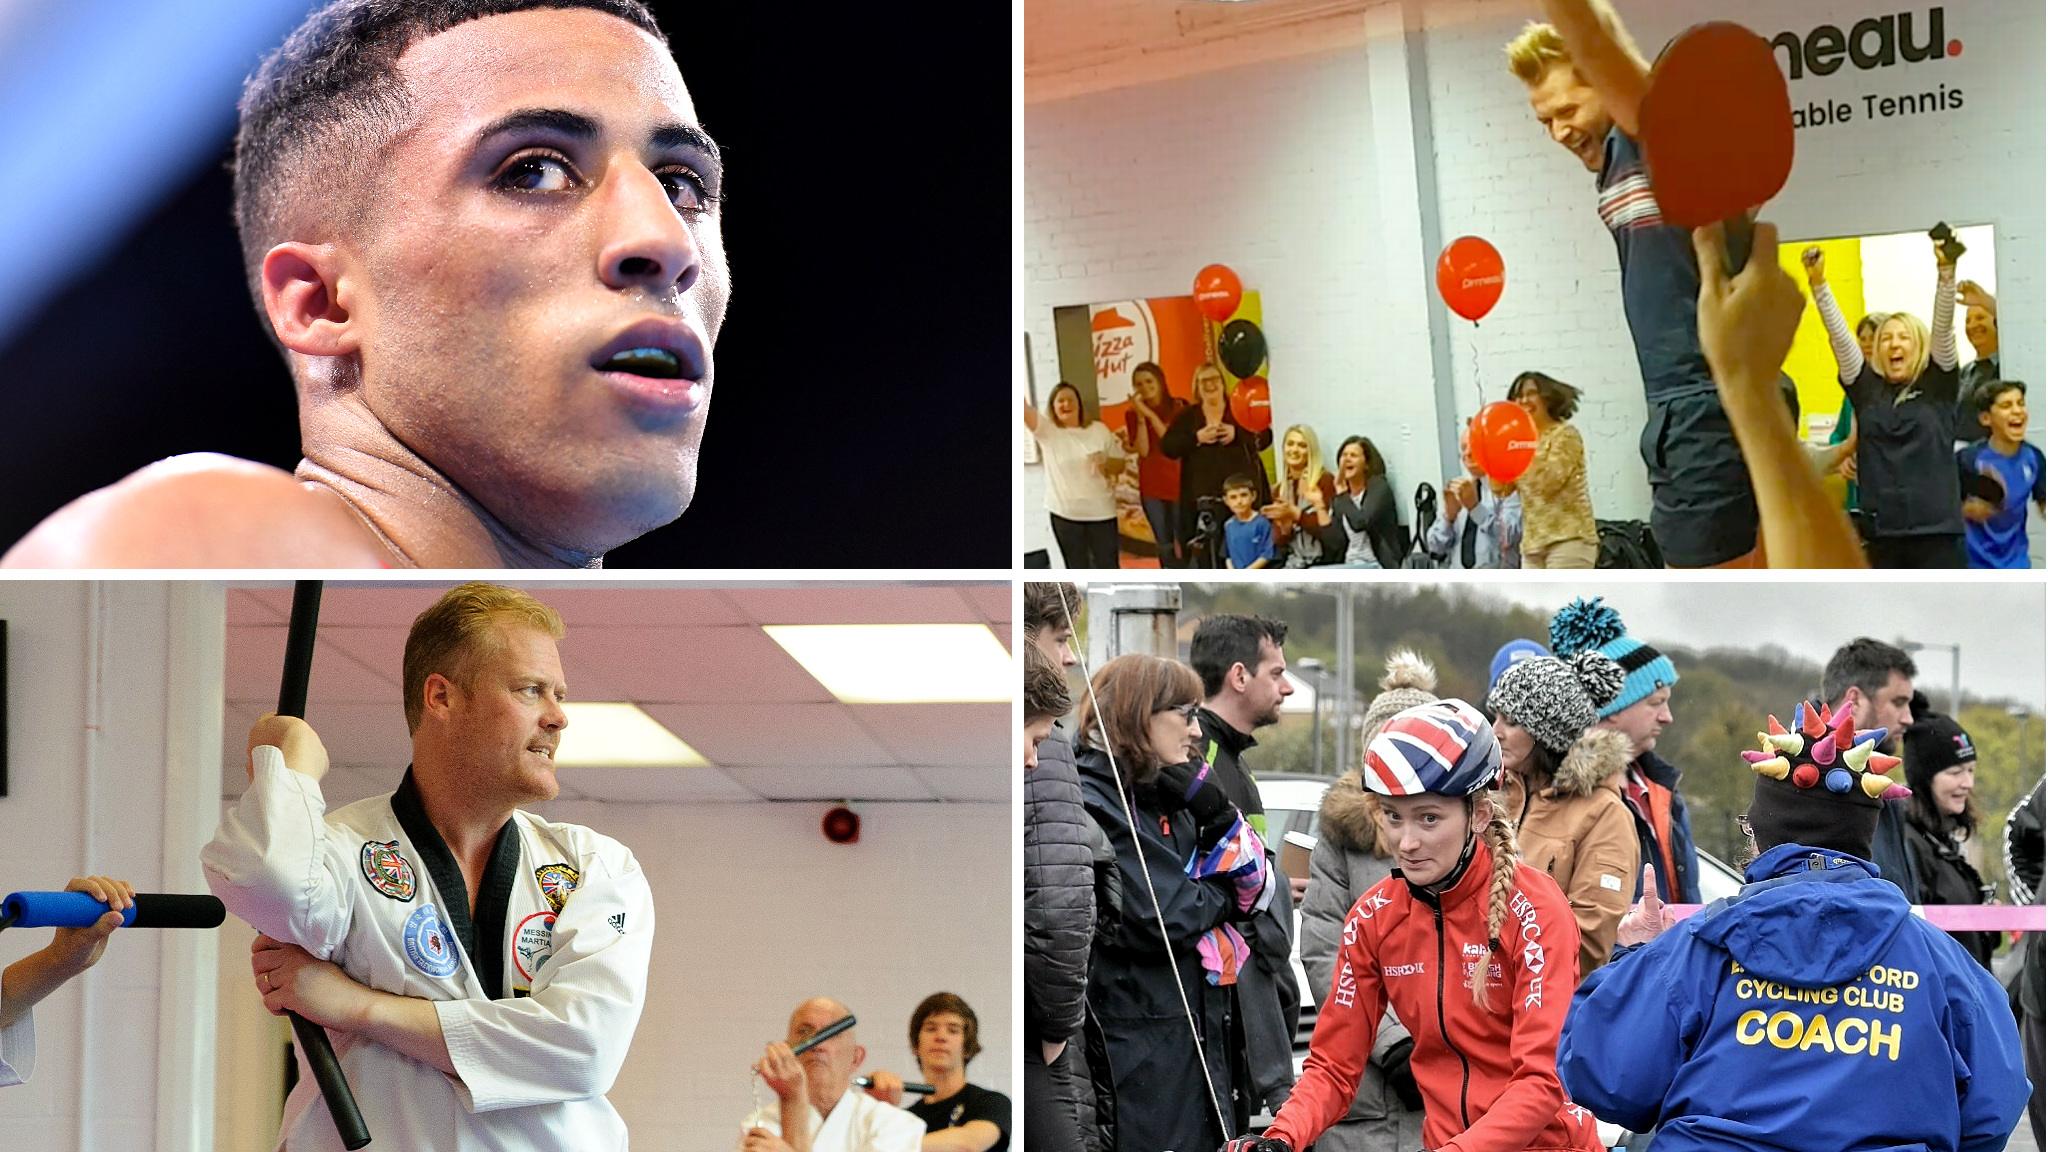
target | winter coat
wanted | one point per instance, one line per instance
(1341, 869)
(1059, 896)
(1579, 832)
(1268, 999)
(1889, 849)
(1810, 1010)
(2023, 864)
(1666, 820)
(1155, 1072)
(1088, 1062)
(1948, 877)
(1488, 1075)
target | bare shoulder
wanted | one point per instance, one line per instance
(202, 510)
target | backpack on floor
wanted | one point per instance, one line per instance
(1628, 544)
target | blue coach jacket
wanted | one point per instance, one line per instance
(1811, 1010)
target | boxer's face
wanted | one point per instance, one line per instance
(551, 204)
(510, 720)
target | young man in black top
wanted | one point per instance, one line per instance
(958, 1117)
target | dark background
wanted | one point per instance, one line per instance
(862, 416)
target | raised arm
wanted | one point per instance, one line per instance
(275, 862)
(1746, 326)
(1942, 350)
(1848, 353)
(1604, 54)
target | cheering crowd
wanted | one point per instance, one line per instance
(1484, 924)
(1938, 470)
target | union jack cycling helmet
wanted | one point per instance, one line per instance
(1444, 747)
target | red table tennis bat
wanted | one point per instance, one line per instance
(1716, 129)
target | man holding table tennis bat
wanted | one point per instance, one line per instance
(1590, 88)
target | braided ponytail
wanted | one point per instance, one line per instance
(1500, 840)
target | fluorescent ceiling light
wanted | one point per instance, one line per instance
(609, 735)
(902, 663)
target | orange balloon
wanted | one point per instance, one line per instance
(1470, 277)
(1252, 403)
(1503, 440)
(1217, 292)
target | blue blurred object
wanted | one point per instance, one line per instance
(107, 107)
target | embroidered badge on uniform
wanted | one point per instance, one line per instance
(428, 943)
(959, 1110)
(533, 943)
(556, 882)
(388, 871)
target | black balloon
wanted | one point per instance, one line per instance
(1242, 347)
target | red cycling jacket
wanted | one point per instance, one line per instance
(1488, 1075)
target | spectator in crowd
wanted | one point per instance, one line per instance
(1874, 682)
(1138, 739)
(1353, 852)
(1364, 529)
(1212, 447)
(1557, 511)
(1941, 769)
(1640, 712)
(1905, 404)
(1059, 877)
(1845, 420)
(1151, 413)
(1481, 525)
(2024, 852)
(1999, 475)
(1510, 654)
(1247, 536)
(1082, 461)
(1563, 788)
(1586, 81)
(1244, 682)
(1980, 326)
(1811, 1010)
(1302, 499)
(945, 1036)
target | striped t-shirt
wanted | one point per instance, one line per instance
(1660, 280)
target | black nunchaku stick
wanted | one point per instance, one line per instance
(313, 1041)
(834, 1029)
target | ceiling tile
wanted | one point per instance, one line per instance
(976, 784)
(963, 735)
(693, 666)
(654, 785)
(788, 735)
(991, 600)
(829, 785)
(857, 604)
(255, 661)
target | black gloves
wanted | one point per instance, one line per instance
(1400, 1077)
(1188, 786)
(1257, 1144)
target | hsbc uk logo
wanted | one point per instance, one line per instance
(1873, 42)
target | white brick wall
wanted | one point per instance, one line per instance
(1126, 195)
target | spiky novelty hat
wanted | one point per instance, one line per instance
(1821, 783)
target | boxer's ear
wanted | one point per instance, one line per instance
(307, 298)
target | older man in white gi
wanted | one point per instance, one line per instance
(817, 1107)
(481, 970)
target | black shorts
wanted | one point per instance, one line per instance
(1702, 508)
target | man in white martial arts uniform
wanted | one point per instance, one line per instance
(26, 981)
(816, 1102)
(481, 969)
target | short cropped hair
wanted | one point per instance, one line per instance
(1540, 47)
(1224, 641)
(1240, 482)
(463, 625)
(1047, 605)
(1045, 687)
(970, 1030)
(1865, 665)
(328, 101)
(1989, 392)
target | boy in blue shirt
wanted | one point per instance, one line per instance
(2000, 474)
(1247, 536)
